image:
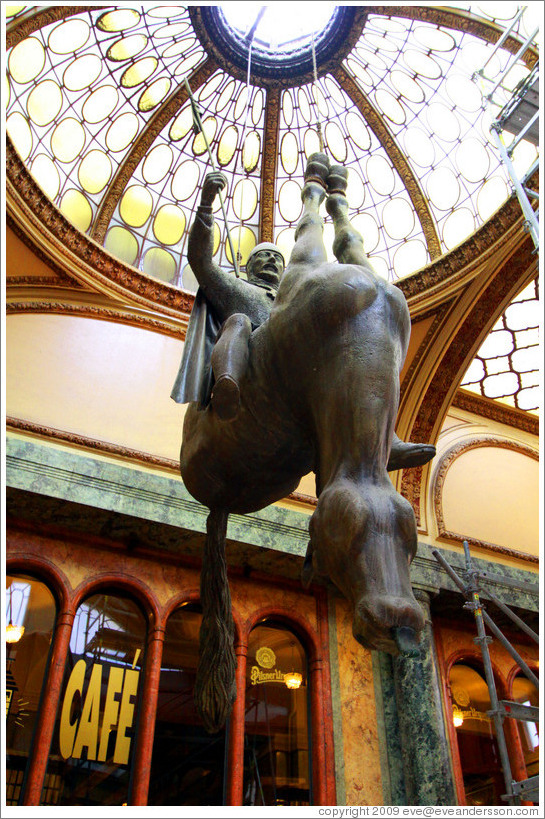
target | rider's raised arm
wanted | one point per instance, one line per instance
(212, 279)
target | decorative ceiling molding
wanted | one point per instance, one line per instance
(22, 27)
(141, 145)
(396, 156)
(496, 411)
(459, 20)
(439, 480)
(268, 170)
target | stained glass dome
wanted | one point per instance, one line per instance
(97, 107)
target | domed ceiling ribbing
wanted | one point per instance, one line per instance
(97, 107)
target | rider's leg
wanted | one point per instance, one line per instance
(229, 362)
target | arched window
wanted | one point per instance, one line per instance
(526, 693)
(188, 765)
(30, 620)
(94, 738)
(476, 735)
(276, 741)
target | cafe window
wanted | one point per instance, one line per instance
(276, 740)
(188, 764)
(30, 620)
(525, 692)
(94, 738)
(476, 735)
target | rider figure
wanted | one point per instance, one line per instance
(236, 307)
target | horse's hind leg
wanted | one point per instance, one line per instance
(215, 686)
(348, 243)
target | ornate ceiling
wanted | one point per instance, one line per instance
(98, 111)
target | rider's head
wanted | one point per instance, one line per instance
(265, 264)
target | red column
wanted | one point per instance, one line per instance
(45, 722)
(235, 770)
(146, 720)
(317, 732)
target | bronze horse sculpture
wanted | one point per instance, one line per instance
(318, 391)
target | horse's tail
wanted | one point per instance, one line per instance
(215, 686)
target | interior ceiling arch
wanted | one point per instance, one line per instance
(98, 110)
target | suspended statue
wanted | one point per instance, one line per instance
(303, 376)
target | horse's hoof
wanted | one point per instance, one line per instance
(225, 398)
(337, 180)
(404, 455)
(406, 641)
(317, 169)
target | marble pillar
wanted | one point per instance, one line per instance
(427, 770)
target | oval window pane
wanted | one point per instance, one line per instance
(26, 60)
(122, 132)
(227, 145)
(225, 97)
(358, 131)
(170, 30)
(355, 189)
(289, 201)
(244, 241)
(410, 257)
(75, 207)
(493, 193)
(419, 147)
(138, 72)
(44, 102)
(169, 224)
(135, 206)
(100, 104)
(244, 199)
(398, 218)
(320, 101)
(443, 188)
(182, 125)
(390, 106)
(251, 151)
(153, 95)
(285, 242)
(180, 47)
(387, 24)
(185, 180)
(289, 152)
(312, 142)
(67, 140)
(407, 86)
(359, 72)
(209, 125)
(210, 87)
(94, 171)
(82, 72)
(336, 92)
(380, 175)
(287, 107)
(367, 227)
(443, 123)
(118, 20)
(189, 280)
(160, 264)
(157, 163)
(464, 93)
(434, 39)
(46, 175)
(380, 266)
(189, 63)
(371, 58)
(127, 47)
(336, 141)
(473, 160)
(122, 243)
(381, 42)
(304, 105)
(68, 36)
(257, 107)
(457, 227)
(20, 134)
(422, 64)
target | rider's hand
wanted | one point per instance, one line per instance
(213, 183)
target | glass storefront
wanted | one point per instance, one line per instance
(188, 765)
(94, 738)
(30, 621)
(276, 742)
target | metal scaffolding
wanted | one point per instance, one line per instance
(527, 789)
(520, 118)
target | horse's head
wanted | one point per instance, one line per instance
(363, 538)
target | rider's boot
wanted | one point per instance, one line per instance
(229, 362)
(405, 455)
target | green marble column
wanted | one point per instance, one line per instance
(422, 731)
